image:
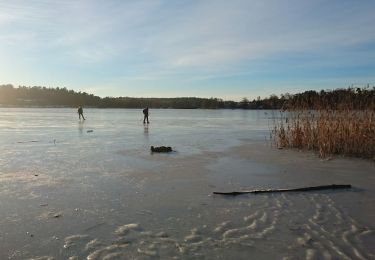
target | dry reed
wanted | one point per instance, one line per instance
(317, 124)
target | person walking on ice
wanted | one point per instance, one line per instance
(145, 114)
(80, 113)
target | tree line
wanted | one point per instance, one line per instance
(338, 99)
(38, 96)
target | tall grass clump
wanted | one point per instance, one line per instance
(330, 122)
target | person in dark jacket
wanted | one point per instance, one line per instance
(145, 114)
(80, 113)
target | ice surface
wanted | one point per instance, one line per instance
(91, 189)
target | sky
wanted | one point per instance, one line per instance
(204, 48)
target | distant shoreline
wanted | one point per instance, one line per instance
(91, 107)
(42, 97)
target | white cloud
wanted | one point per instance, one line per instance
(181, 41)
(221, 32)
(198, 34)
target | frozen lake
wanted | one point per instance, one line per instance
(73, 189)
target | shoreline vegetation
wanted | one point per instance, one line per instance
(36, 96)
(341, 122)
(331, 122)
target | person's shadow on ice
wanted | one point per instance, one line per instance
(80, 127)
(145, 131)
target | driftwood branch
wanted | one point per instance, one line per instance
(323, 187)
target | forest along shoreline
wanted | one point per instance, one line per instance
(38, 96)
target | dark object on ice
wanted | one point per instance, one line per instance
(161, 149)
(24, 142)
(323, 187)
(90, 131)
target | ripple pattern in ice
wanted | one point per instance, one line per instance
(274, 225)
